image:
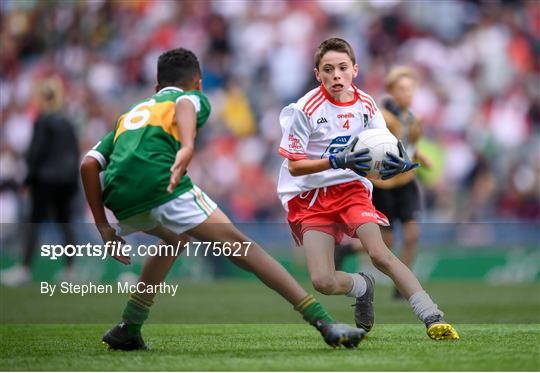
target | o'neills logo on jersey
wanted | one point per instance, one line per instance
(345, 116)
(369, 214)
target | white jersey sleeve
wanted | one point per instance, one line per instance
(377, 121)
(296, 130)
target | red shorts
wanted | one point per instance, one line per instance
(339, 210)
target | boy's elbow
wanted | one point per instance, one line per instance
(294, 170)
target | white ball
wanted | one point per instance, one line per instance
(378, 141)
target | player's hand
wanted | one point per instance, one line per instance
(108, 234)
(397, 163)
(178, 169)
(358, 161)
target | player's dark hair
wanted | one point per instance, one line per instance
(177, 67)
(333, 44)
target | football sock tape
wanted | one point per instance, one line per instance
(305, 302)
(312, 310)
(141, 301)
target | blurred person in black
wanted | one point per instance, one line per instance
(52, 179)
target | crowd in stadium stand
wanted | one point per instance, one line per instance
(478, 96)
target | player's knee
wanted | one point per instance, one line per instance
(324, 284)
(381, 259)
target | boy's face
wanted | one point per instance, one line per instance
(403, 91)
(336, 72)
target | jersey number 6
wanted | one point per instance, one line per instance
(139, 115)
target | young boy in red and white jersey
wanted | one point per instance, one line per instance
(323, 187)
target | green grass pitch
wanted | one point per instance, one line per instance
(241, 326)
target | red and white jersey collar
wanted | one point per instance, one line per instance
(327, 95)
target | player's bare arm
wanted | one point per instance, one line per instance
(415, 132)
(308, 166)
(392, 122)
(186, 119)
(90, 169)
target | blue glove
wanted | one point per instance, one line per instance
(397, 164)
(358, 161)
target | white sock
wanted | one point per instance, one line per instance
(359, 286)
(423, 306)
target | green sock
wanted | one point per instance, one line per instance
(135, 313)
(313, 311)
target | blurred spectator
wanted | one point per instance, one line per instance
(52, 179)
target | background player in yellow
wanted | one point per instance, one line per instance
(145, 159)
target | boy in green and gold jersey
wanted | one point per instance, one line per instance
(146, 140)
(144, 160)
